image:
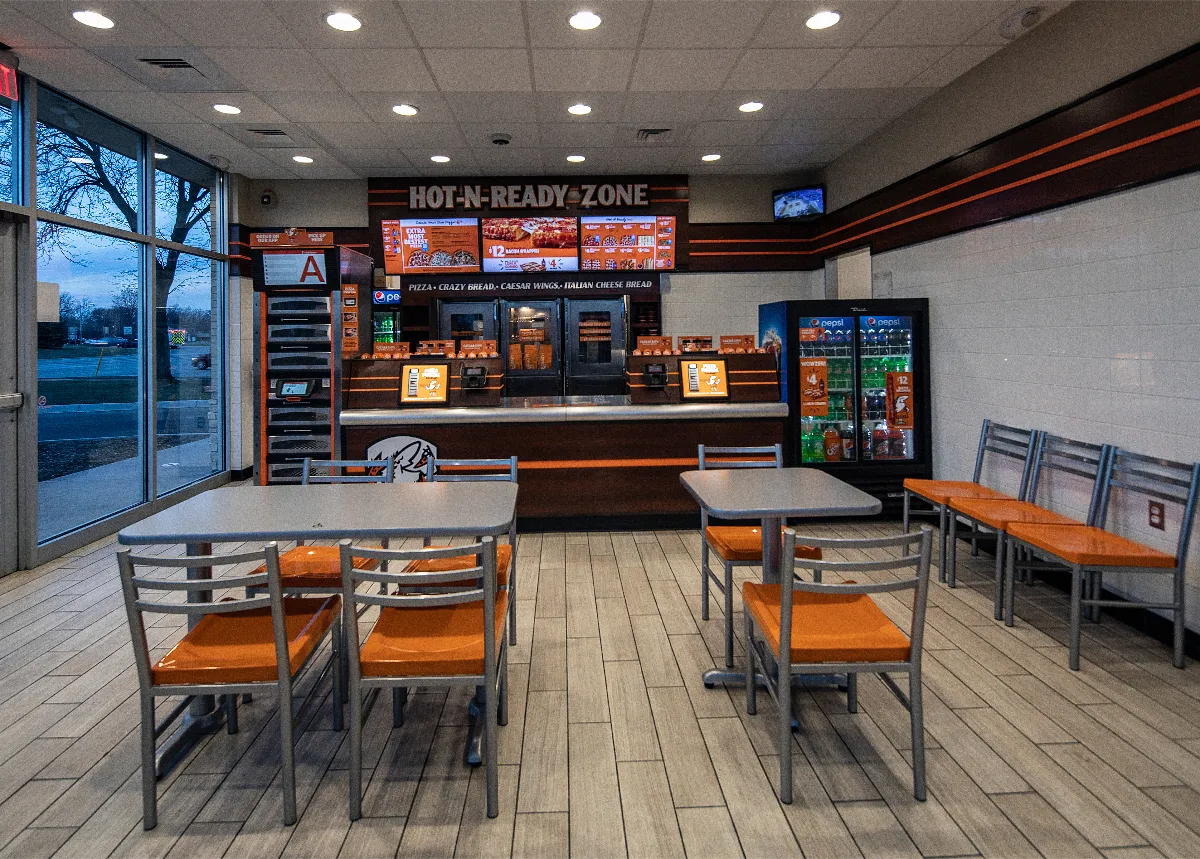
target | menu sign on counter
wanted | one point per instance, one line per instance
(627, 243)
(423, 383)
(704, 378)
(431, 245)
(522, 245)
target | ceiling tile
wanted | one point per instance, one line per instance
(382, 25)
(989, 33)
(136, 108)
(837, 103)
(591, 70)
(432, 107)
(681, 70)
(200, 74)
(200, 105)
(782, 69)
(667, 108)
(784, 24)
(621, 27)
(134, 24)
(880, 67)
(260, 135)
(933, 22)
(20, 31)
(702, 23)
(394, 70)
(368, 160)
(240, 24)
(576, 135)
(730, 133)
(483, 70)
(552, 107)
(776, 104)
(317, 106)
(508, 161)
(73, 69)
(350, 134)
(275, 69)
(803, 132)
(492, 107)
(466, 24)
(479, 134)
(959, 61)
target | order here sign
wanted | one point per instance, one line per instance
(294, 268)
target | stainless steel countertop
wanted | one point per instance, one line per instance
(562, 410)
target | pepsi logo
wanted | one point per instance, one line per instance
(870, 320)
(379, 296)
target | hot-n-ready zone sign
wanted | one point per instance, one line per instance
(529, 195)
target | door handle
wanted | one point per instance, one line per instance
(11, 402)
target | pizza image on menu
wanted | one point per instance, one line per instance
(530, 244)
(431, 246)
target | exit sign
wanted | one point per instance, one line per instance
(8, 83)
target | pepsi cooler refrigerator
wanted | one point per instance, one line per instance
(855, 376)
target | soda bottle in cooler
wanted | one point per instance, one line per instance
(832, 444)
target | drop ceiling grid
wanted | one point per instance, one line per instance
(476, 68)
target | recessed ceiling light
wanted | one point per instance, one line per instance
(713, 157)
(404, 109)
(576, 159)
(579, 109)
(440, 159)
(584, 20)
(750, 106)
(160, 156)
(78, 160)
(343, 21)
(93, 19)
(823, 20)
(302, 159)
(227, 108)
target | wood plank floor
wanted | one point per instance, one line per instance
(614, 747)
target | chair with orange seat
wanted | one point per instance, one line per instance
(995, 440)
(734, 545)
(233, 646)
(1054, 455)
(1089, 551)
(836, 629)
(471, 470)
(433, 629)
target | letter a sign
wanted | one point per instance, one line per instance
(294, 268)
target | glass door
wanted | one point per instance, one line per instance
(10, 399)
(885, 372)
(467, 320)
(826, 396)
(532, 337)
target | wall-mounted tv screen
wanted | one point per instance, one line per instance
(800, 203)
(530, 244)
(431, 246)
(627, 243)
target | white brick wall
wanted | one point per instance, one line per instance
(718, 304)
(1083, 321)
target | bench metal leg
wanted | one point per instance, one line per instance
(1076, 615)
(998, 607)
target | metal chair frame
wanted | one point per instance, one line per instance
(200, 602)
(776, 673)
(493, 682)
(994, 438)
(1153, 478)
(502, 470)
(725, 585)
(1054, 454)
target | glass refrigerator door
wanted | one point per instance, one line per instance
(885, 366)
(826, 395)
(386, 326)
(532, 337)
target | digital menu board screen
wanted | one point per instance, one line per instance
(627, 243)
(431, 246)
(530, 244)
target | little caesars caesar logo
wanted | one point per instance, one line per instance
(549, 196)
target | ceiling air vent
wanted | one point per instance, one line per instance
(653, 135)
(171, 63)
(269, 132)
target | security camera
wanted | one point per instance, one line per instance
(267, 198)
(501, 139)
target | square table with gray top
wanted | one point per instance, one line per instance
(260, 514)
(772, 495)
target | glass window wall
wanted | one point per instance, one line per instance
(9, 139)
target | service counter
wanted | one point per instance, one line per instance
(578, 456)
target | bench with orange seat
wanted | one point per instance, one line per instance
(1054, 455)
(995, 440)
(1091, 550)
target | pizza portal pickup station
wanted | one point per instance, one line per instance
(491, 320)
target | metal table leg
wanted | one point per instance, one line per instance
(203, 715)
(473, 755)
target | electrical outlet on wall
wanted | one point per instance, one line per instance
(1157, 516)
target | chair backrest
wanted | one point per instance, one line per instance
(198, 593)
(1082, 459)
(347, 471)
(1010, 442)
(1158, 480)
(740, 457)
(918, 582)
(465, 470)
(419, 590)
